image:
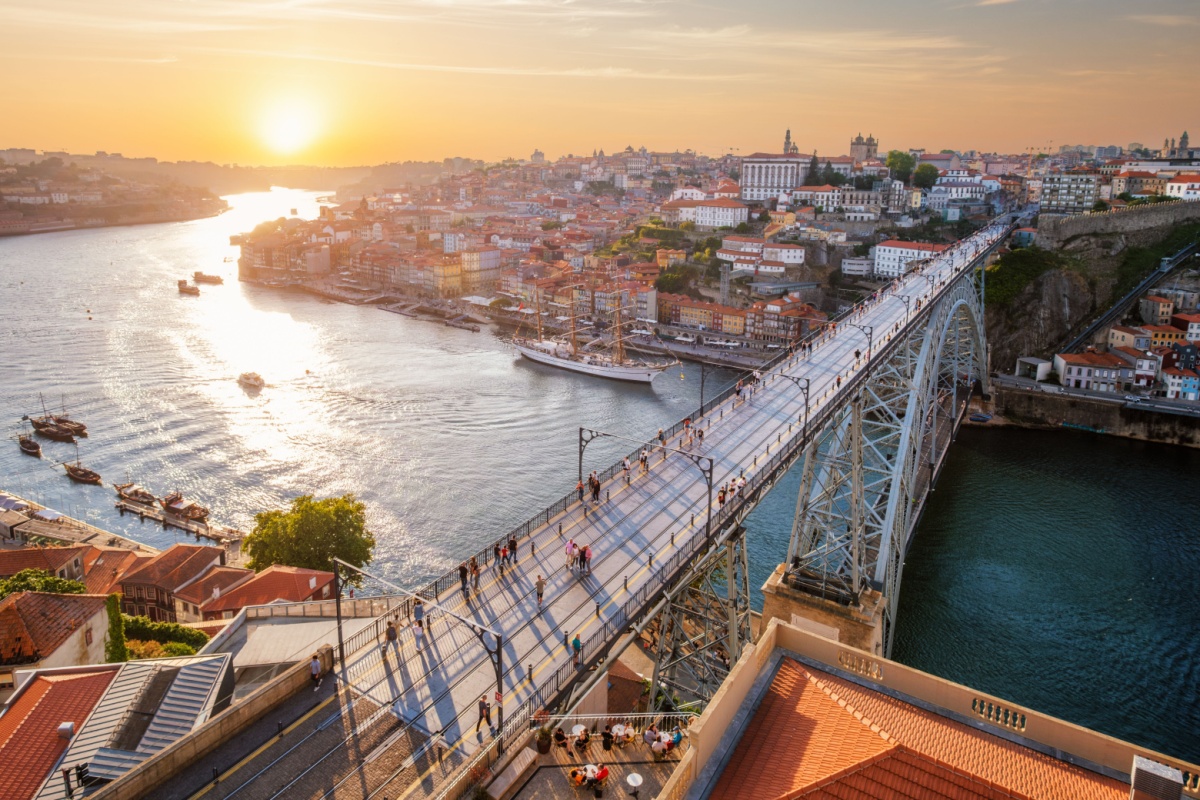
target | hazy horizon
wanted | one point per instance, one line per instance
(363, 82)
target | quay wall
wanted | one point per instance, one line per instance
(1035, 409)
(1054, 232)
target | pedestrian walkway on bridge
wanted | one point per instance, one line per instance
(643, 532)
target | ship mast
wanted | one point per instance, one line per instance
(618, 353)
(537, 302)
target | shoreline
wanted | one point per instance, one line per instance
(129, 224)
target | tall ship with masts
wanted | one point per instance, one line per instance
(565, 352)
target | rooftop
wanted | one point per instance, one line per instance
(35, 624)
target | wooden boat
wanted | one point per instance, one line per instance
(980, 417)
(44, 427)
(135, 494)
(81, 474)
(175, 504)
(200, 277)
(187, 288)
(29, 445)
(63, 421)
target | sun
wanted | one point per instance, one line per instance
(289, 125)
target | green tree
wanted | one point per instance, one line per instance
(1099, 205)
(114, 647)
(814, 171)
(311, 534)
(925, 176)
(901, 164)
(552, 225)
(39, 580)
(765, 216)
(687, 225)
(743, 227)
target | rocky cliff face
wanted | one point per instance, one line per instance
(1040, 318)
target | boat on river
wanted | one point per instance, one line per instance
(29, 446)
(200, 277)
(175, 504)
(81, 474)
(566, 353)
(251, 380)
(44, 426)
(135, 494)
(187, 288)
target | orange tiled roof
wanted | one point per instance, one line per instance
(273, 583)
(222, 578)
(818, 736)
(29, 728)
(174, 566)
(37, 623)
(50, 559)
(105, 565)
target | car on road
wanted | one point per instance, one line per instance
(1133, 398)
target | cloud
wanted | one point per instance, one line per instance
(578, 72)
(1164, 20)
(982, 3)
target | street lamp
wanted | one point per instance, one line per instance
(906, 299)
(804, 388)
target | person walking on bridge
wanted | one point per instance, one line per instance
(570, 552)
(587, 558)
(579, 488)
(512, 549)
(463, 572)
(475, 573)
(645, 461)
(485, 714)
(625, 467)
(540, 586)
(577, 647)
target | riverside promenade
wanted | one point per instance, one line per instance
(644, 533)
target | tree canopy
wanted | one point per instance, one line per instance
(311, 534)
(39, 580)
(925, 176)
(901, 164)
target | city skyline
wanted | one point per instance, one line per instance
(364, 82)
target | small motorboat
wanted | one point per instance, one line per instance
(251, 380)
(175, 504)
(200, 277)
(980, 417)
(29, 445)
(44, 427)
(135, 494)
(187, 288)
(81, 474)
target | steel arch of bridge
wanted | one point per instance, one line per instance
(866, 473)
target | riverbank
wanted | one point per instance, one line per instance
(44, 524)
(14, 228)
(1038, 410)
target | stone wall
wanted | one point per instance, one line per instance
(1036, 409)
(1054, 233)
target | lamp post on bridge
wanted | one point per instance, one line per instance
(906, 300)
(869, 330)
(804, 388)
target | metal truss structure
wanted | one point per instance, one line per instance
(867, 472)
(703, 627)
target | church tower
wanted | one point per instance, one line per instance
(789, 148)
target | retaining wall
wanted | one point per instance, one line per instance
(1054, 232)
(1036, 409)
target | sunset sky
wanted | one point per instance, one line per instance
(368, 81)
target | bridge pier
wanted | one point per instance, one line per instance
(858, 626)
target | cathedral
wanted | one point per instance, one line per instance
(863, 149)
(1182, 150)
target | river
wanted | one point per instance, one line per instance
(1029, 550)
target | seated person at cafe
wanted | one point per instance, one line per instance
(607, 737)
(651, 735)
(560, 738)
(601, 775)
(583, 740)
(676, 737)
(578, 776)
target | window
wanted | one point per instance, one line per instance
(138, 593)
(151, 594)
(87, 636)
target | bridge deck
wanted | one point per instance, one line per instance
(438, 687)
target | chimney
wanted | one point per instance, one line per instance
(66, 730)
(1151, 780)
(216, 592)
(312, 583)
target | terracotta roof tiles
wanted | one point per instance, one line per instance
(37, 623)
(29, 727)
(50, 559)
(273, 583)
(818, 736)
